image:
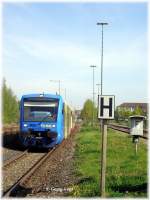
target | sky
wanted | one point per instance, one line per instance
(60, 41)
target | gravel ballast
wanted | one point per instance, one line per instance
(12, 173)
(56, 176)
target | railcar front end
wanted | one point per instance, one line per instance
(41, 120)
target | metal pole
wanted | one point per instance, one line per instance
(103, 123)
(98, 90)
(136, 148)
(102, 64)
(93, 96)
(98, 87)
(93, 66)
(102, 73)
(65, 93)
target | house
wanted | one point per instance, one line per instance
(132, 106)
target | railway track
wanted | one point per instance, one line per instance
(17, 187)
(126, 129)
(15, 158)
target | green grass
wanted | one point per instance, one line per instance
(126, 174)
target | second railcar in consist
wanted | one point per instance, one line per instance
(45, 120)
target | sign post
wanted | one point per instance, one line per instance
(106, 104)
(103, 156)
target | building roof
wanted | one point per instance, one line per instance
(144, 106)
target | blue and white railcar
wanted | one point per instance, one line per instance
(41, 120)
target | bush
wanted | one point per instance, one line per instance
(10, 105)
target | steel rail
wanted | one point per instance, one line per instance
(12, 191)
(126, 129)
(15, 158)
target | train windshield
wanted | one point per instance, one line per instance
(36, 111)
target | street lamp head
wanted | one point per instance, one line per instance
(92, 66)
(102, 23)
(54, 80)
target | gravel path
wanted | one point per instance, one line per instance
(12, 173)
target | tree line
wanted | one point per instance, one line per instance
(10, 105)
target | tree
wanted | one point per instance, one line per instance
(87, 111)
(122, 113)
(10, 105)
(138, 111)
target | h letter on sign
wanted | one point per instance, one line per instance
(106, 106)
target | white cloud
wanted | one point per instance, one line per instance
(55, 50)
(132, 55)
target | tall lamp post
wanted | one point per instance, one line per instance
(102, 24)
(65, 93)
(93, 67)
(103, 128)
(98, 84)
(57, 81)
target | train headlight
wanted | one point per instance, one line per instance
(25, 125)
(42, 125)
(53, 125)
(48, 126)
